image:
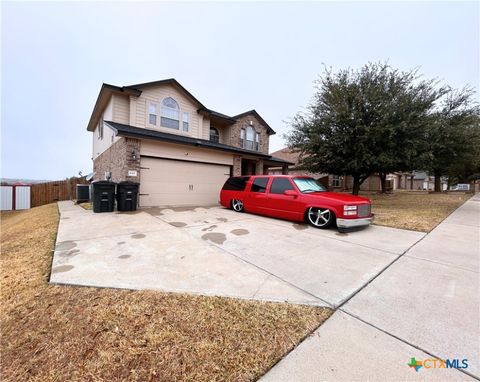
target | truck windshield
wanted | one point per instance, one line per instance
(307, 185)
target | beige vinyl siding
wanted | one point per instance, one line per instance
(156, 94)
(184, 152)
(223, 132)
(140, 118)
(100, 145)
(121, 109)
(108, 113)
(133, 110)
(206, 129)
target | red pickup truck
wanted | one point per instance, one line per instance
(297, 198)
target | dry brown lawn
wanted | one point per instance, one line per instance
(86, 205)
(419, 211)
(58, 333)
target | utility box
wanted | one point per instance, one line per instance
(127, 196)
(83, 193)
(103, 196)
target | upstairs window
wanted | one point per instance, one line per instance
(257, 142)
(185, 121)
(170, 114)
(242, 138)
(152, 114)
(100, 127)
(214, 136)
(250, 136)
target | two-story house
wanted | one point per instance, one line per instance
(181, 152)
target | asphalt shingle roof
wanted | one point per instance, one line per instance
(142, 133)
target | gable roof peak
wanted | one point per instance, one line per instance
(171, 81)
(255, 113)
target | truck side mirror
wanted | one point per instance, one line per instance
(290, 193)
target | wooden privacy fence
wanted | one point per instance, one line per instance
(50, 192)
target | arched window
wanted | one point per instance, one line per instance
(214, 136)
(249, 138)
(170, 114)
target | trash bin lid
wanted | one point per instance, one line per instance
(103, 185)
(103, 182)
(128, 183)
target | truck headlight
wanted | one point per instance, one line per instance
(349, 210)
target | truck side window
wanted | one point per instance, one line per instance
(259, 185)
(237, 183)
(280, 185)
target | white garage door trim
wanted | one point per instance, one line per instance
(177, 182)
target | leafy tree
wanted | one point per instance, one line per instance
(366, 121)
(466, 167)
(453, 138)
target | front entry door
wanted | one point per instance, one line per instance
(248, 167)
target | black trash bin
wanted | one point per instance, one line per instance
(83, 193)
(127, 196)
(103, 196)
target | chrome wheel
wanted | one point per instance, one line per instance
(319, 217)
(237, 205)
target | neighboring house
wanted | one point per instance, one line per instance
(400, 180)
(181, 153)
(336, 182)
(339, 182)
(293, 169)
(423, 181)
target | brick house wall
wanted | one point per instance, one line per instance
(118, 160)
(237, 165)
(259, 128)
(260, 168)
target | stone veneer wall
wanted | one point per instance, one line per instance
(237, 165)
(259, 168)
(118, 160)
(259, 128)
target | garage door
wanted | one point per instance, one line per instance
(165, 182)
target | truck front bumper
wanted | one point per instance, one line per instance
(352, 223)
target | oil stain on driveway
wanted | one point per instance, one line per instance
(215, 251)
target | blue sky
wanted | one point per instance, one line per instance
(232, 56)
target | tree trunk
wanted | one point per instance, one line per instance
(437, 185)
(356, 184)
(383, 182)
(411, 181)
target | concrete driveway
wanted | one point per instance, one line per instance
(425, 305)
(215, 251)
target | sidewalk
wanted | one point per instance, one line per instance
(425, 305)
